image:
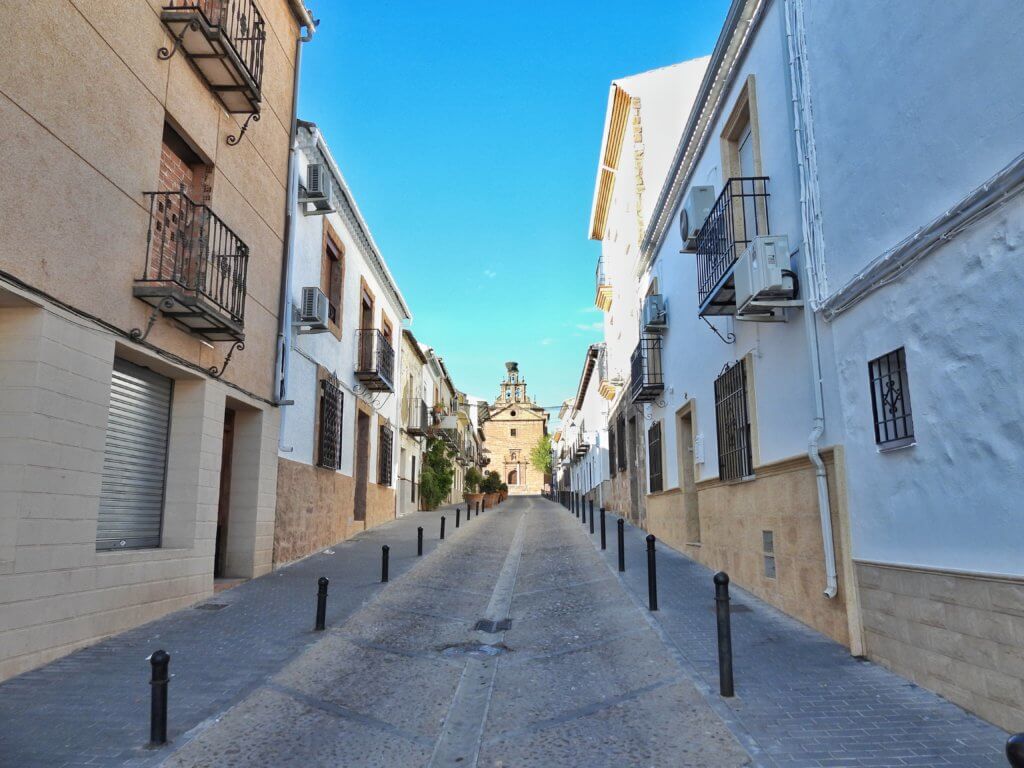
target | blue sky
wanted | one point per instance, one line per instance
(469, 132)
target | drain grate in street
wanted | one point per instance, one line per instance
(211, 606)
(490, 626)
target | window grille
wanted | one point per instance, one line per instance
(331, 409)
(611, 451)
(654, 456)
(734, 449)
(622, 443)
(384, 456)
(890, 400)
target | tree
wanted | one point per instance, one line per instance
(540, 455)
(491, 483)
(472, 479)
(437, 474)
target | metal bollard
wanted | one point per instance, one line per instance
(442, 527)
(652, 575)
(478, 509)
(321, 603)
(457, 513)
(604, 541)
(159, 662)
(576, 503)
(725, 685)
(419, 541)
(1015, 750)
(622, 545)
(591, 517)
(385, 553)
(583, 509)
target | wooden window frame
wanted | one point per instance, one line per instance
(331, 240)
(744, 112)
(655, 458)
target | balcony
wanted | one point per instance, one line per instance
(195, 268)
(416, 418)
(225, 40)
(375, 360)
(606, 384)
(739, 215)
(603, 298)
(647, 379)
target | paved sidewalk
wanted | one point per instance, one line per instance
(801, 700)
(91, 707)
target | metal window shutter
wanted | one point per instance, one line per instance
(135, 459)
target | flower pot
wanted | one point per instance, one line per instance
(473, 498)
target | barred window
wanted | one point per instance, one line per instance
(611, 451)
(331, 408)
(622, 442)
(890, 400)
(654, 456)
(384, 456)
(733, 420)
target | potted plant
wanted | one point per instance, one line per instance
(471, 485)
(504, 491)
(491, 486)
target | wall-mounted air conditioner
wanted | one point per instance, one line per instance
(313, 310)
(763, 278)
(698, 204)
(317, 190)
(654, 315)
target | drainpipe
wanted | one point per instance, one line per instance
(810, 322)
(284, 304)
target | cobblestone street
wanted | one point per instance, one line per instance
(584, 675)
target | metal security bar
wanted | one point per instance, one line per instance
(375, 364)
(621, 430)
(890, 400)
(332, 404)
(611, 451)
(735, 459)
(647, 379)
(740, 213)
(384, 455)
(654, 456)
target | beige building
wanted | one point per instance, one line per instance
(513, 428)
(416, 420)
(143, 246)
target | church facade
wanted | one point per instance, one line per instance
(515, 426)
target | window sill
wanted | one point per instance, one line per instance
(896, 445)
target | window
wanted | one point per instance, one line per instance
(768, 550)
(513, 431)
(332, 276)
(890, 400)
(622, 442)
(384, 455)
(654, 456)
(331, 410)
(611, 451)
(735, 460)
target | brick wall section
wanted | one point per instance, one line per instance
(959, 635)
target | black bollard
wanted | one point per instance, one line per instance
(457, 513)
(442, 527)
(1015, 750)
(321, 603)
(583, 509)
(725, 685)
(591, 517)
(385, 553)
(419, 541)
(604, 541)
(478, 509)
(622, 545)
(159, 661)
(652, 575)
(576, 504)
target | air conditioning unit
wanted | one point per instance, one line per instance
(698, 204)
(654, 314)
(761, 282)
(313, 311)
(317, 189)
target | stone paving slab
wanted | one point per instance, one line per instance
(801, 700)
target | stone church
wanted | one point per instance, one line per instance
(512, 430)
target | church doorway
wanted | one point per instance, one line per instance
(513, 477)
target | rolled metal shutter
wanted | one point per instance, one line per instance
(135, 458)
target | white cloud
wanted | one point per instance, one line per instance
(490, 273)
(597, 326)
(546, 342)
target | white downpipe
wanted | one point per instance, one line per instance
(808, 258)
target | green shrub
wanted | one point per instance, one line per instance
(437, 474)
(473, 479)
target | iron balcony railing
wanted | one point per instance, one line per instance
(740, 213)
(417, 417)
(647, 380)
(226, 39)
(196, 267)
(375, 360)
(603, 285)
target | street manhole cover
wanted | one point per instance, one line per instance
(474, 649)
(211, 606)
(490, 626)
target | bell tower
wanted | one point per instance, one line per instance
(513, 388)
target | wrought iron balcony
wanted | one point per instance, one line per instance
(739, 215)
(647, 379)
(603, 298)
(375, 360)
(607, 385)
(416, 417)
(195, 267)
(225, 39)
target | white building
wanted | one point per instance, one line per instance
(337, 467)
(585, 432)
(416, 420)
